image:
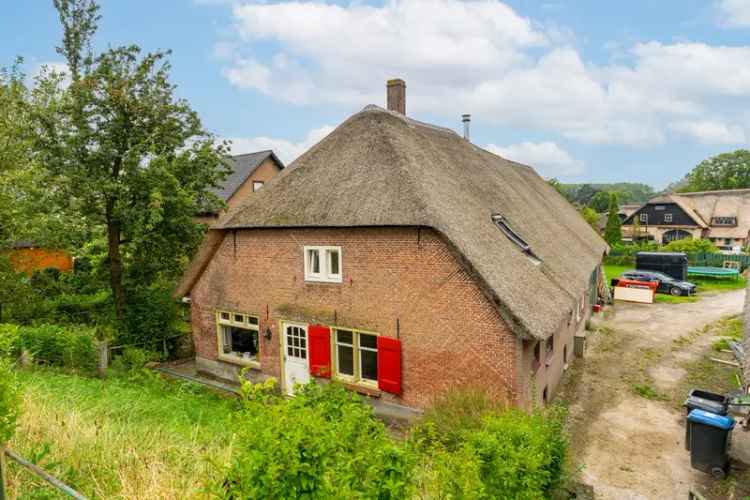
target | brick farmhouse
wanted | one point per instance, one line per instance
(402, 260)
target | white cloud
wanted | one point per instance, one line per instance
(710, 132)
(481, 57)
(286, 150)
(547, 158)
(735, 13)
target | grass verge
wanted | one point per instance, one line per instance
(126, 437)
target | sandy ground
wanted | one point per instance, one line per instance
(628, 446)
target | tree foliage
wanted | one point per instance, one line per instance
(689, 245)
(725, 171)
(125, 153)
(591, 217)
(613, 229)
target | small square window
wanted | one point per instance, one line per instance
(323, 264)
(257, 185)
(667, 217)
(644, 217)
(239, 318)
(225, 316)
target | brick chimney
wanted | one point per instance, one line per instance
(397, 95)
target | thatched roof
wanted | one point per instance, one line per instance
(379, 168)
(242, 167)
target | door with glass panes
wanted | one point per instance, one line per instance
(296, 366)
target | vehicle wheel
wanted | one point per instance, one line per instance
(718, 473)
(675, 291)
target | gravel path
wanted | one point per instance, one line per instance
(629, 446)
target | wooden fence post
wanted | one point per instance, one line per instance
(3, 473)
(25, 357)
(103, 358)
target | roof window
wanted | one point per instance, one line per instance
(502, 224)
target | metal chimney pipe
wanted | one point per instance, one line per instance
(466, 119)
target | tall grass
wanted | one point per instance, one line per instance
(120, 438)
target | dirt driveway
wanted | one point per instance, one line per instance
(624, 397)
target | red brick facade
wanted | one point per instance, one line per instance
(401, 282)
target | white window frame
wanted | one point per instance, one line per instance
(356, 378)
(643, 218)
(667, 217)
(257, 186)
(239, 320)
(325, 275)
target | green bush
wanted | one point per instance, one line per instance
(325, 443)
(471, 447)
(9, 340)
(691, 246)
(134, 359)
(151, 314)
(452, 415)
(10, 402)
(59, 345)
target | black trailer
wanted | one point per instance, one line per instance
(670, 263)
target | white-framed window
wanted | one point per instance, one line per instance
(644, 218)
(667, 217)
(238, 336)
(257, 185)
(356, 356)
(323, 264)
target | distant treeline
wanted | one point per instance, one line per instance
(596, 196)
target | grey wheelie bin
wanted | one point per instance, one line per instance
(704, 400)
(709, 436)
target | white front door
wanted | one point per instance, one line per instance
(296, 367)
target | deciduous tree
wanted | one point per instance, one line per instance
(725, 171)
(127, 155)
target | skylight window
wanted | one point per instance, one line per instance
(502, 224)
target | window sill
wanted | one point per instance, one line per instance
(309, 279)
(252, 363)
(364, 388)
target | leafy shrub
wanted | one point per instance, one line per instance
(521, 455)
(9, 340)
(691, 246)
(134, 359)
(473, 448)
(67, 346)
(453, 414)
(325, 443)
(151, 314)
(10, 402)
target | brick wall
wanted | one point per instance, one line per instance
(28, 260)
(451, 335)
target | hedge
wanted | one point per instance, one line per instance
(58, 345)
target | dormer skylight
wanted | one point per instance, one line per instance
(502, 224)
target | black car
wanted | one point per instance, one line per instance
(667, 284)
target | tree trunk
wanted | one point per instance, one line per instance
(115, 263)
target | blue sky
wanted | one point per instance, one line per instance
(584, 90)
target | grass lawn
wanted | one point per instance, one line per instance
(119, 438)
(704, 284)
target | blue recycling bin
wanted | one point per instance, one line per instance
(709, 436)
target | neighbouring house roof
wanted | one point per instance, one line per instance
(243, 167)
(678, 200)
(727, 203)
(379, 168)
(628, 210)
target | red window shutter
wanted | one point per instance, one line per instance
(319, 342)
(389, 365)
